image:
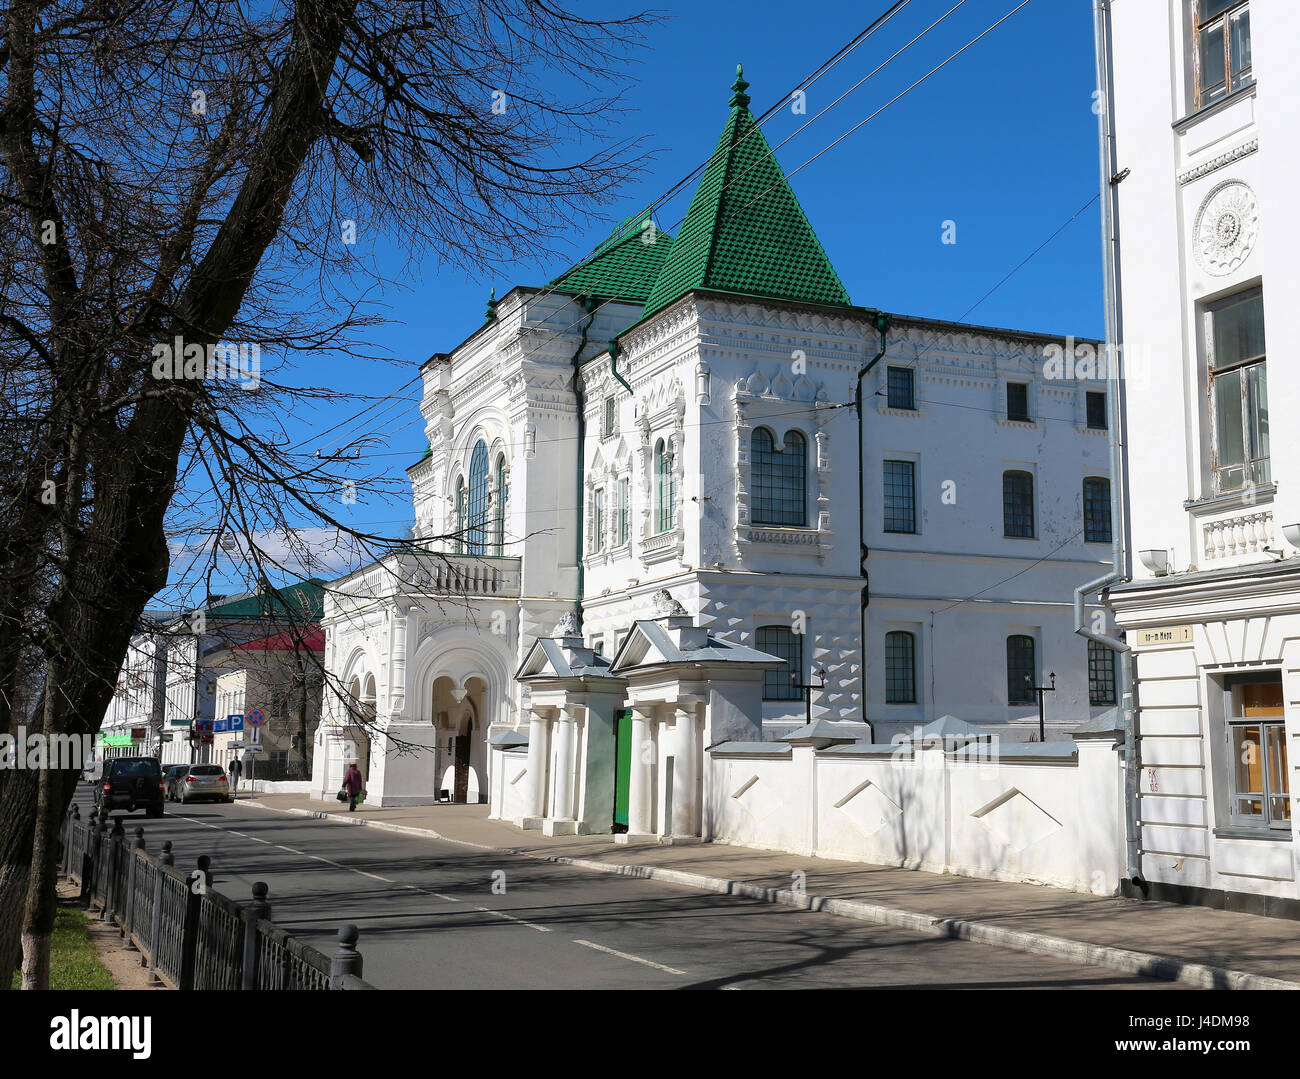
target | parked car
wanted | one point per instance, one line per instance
(170, 774)
(131, 783)
(203, 781)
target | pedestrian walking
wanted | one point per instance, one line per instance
(236, 770)
(352, 784)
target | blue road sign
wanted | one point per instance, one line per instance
(220, 725)
(256, 717)
(235, 721)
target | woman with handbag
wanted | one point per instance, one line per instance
(352, 786)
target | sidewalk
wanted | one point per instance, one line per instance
(1196, 945)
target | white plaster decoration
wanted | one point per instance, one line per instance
(1226, 227)
(1219, 161)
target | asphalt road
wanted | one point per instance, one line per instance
(437, 915)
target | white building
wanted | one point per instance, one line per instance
(668, 432)
(134, 722)
(1206, 110)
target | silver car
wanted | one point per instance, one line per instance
(199, 781)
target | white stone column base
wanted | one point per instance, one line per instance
(645, 838)
(528, 824)
(552, 826)
(679, 840)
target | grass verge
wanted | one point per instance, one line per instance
(74, 963)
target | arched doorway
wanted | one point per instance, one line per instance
(459, 712)
(463, 744)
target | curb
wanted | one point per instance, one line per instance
(1126, 960)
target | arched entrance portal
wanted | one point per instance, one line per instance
(458, 712)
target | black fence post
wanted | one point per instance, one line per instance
(116, 852)
(256, 911)
(155, 928)
(128, 922)
(347, 960)
(87, 861)
(198, 886)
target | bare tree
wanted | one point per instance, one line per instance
(179, 183)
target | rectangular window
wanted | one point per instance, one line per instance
(1021, 669)
(1096, 510)
(900, 496)
(598, 520)
(609, 417)
(1234, 335)
(1222, 49)
(1259, 787)
(784, 643)
(900, 668)
(902, 388)
(1018, 401)
(1097, 410)
(1018, 504)
(624, 511)
(1101, 674)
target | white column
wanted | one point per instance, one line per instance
(535, 789)
(685, 778)
(640, 791)
(562, 807)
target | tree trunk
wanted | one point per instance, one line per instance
(42, 903)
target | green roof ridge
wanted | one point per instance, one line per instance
(625, 265)
(745, 232)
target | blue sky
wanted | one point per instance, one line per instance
(1001, 142)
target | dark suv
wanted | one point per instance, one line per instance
(132, 783)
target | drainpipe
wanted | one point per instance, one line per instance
(881, 321)
(589, 305)
(1120, 568)
(613, 364)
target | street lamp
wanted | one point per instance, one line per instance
(1038, 692)
(807, 688)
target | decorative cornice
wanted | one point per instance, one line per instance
(1218, 161)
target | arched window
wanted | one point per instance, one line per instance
(900, 668)
(779, 479)
(476, 523)
(460, 514)
(665, 489)
(784, 643)
(1021, 669)
(501, 504)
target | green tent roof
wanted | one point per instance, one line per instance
(304, 601)
(745, 231)
(625, 265)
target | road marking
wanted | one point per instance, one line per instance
(512, 918)
(633, 958)
(349, 869)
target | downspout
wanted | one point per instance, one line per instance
(589, 305)
(613, 365)
(882, 327)
(1120, 568)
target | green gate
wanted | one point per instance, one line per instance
(622, 766)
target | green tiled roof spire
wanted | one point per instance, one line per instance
(626, 263)
(745, 232)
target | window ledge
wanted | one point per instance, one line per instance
(1197, 115)
(1276, 835)
(886, 410)
(1084, 429)
(1028, 425)
(1263, 494)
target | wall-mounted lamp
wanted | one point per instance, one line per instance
(1156, 561)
